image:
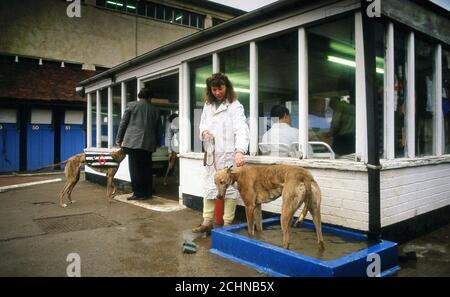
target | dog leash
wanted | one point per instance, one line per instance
(210, 148)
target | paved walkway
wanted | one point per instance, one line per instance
(122, 239)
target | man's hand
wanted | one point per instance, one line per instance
(239, 159)
(119, 143)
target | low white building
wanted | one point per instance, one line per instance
(383, 155)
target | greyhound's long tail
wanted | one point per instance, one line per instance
(52, 165)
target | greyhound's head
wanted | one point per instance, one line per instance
(223, 179)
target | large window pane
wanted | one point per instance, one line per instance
(94, 118)
(445, 98)
(400, 95)
(165, 97)
(331, 76)
(235, 64)
(117, 107)
(425, 99)
(199, 71)
(104, 117)
(131, 87)
(278, 85)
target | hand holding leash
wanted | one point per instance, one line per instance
(239, 159)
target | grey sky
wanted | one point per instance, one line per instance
(248, 5)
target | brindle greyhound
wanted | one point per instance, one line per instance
(72, 173)
(263, 184)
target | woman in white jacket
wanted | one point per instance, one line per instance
(223, 119)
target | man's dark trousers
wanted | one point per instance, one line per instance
(141, 171)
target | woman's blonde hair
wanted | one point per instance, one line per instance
(217, 80)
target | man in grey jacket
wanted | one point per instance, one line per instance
(139, 134)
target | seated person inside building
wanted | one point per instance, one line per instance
(342, 128)
(279, 138)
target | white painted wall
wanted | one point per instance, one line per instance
(409, 192)
(344, 193)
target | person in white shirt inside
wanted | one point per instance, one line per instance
(279, 138)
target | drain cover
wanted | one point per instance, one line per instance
(70, 223)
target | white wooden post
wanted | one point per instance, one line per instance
(360, 93)
(439, 123)
(123, 97)
(303, 92)
(98, 120)
(89, 120)
(389, 109)
(110, 117)
(184, 109)
(215, 63)
(253, 98)
(410, 99)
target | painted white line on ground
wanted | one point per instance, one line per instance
(156, 203)
(5, 188)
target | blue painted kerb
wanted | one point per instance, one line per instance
(277, 261)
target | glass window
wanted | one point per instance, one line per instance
(185, 20)
(278, 85)
(235, 64)
(117, 108)
(199, 71)
(131, 6)
(193, 20)
(94, 118)
(118, 4)
(445, 98)
(425, 102)
(201, 22)
(131, 88)
(151, 10)
(178, 16)
(160, 12)
(168, 14)
(141, 9)
(165, 97)
(400, 95)
(104, 117)
(331, 82)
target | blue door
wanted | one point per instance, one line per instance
(9, 140)
(40, 139)
(73, 135)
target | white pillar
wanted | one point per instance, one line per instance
(439, 122)
(89, 120)
(123, 97)
(303, 92)
(139, 86)
(98, 120)
(411, 98)
(389, 106)
(110, 117)
(184, 109)
(253, 98)
(215, 63)
(360, 93)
